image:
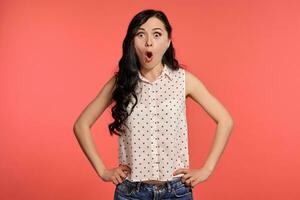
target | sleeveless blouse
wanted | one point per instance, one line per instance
(155, 143)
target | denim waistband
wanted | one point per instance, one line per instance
(168, 184)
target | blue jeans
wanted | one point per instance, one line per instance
(174, 189)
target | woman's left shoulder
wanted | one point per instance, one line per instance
(193, 83)
(190, 77)
(186, 71)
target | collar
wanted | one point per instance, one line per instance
(165, 72)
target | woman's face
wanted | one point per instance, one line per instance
(151, 42)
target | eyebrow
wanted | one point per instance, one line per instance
(152, 29)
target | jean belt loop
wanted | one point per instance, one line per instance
(169, 186)
(138, 186)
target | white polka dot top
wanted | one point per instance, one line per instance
(155, 143)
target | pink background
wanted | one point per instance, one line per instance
(56, 55)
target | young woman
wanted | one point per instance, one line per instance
(149, 92)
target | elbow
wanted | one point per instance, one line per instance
(228, 122)
(77, 128)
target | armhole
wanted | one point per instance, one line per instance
(184, 85)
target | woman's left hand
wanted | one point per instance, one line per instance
(192, 177)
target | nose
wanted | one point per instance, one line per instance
(149, 41)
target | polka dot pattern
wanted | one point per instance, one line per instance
(155, 143)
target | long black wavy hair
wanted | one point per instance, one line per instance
(127, 77)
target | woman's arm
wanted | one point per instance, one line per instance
(199, 93)
(86, 120)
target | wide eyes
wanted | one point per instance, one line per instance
(156, 34)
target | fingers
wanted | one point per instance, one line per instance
(120, 174)
(185, 177)
(125, 170)
(181, 171)
(114, 180)
(188, 182)
(119, 179)
(125, 167)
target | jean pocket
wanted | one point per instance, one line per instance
(125, 189)
(182, 191)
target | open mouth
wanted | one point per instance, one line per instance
(149, 56)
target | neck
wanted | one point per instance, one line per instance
(152, 74)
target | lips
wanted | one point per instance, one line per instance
(148, 56)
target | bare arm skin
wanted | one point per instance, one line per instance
(87, 118)
(199, 93)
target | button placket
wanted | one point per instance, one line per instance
(154, 145)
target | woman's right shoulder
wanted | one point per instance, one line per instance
(111, 83)
(106, 92)
(97, 106)
(112, 79)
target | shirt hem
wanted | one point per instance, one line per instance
(168, 179)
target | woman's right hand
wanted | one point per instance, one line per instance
(116, 175)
